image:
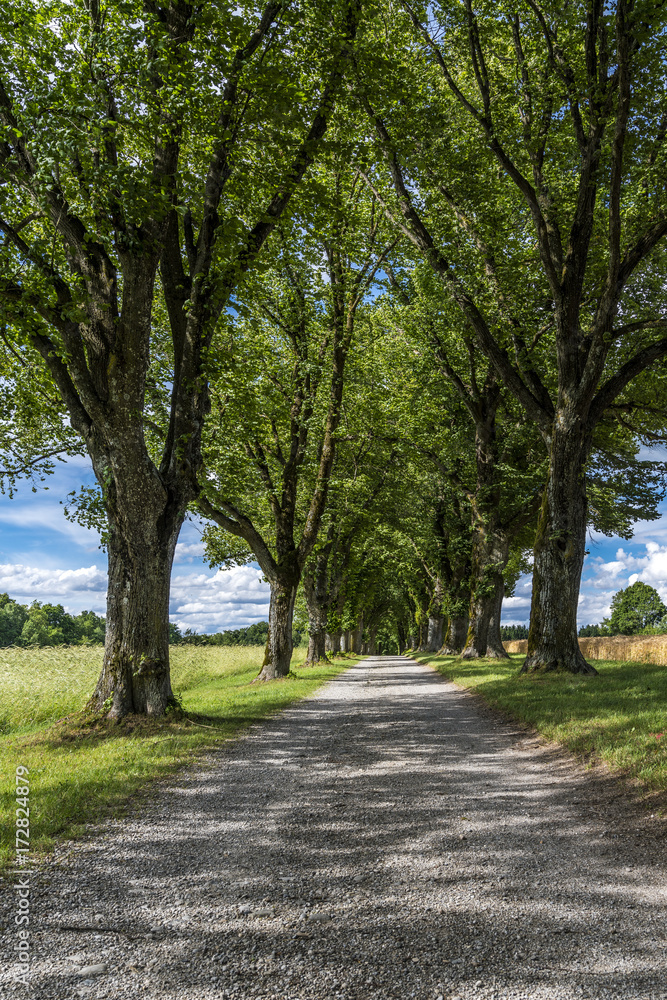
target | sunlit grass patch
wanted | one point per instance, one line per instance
(617, 717)
(83, 768)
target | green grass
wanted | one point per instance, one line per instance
(617, 717)
(83, 768)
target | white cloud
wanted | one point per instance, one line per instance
(187, 552)
(202, 602)
(211, 601)
(76, 589)
(229, 598)
(30, 580)
(627, 568)
(601, 580)
(47, 515)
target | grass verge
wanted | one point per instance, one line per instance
(83, 768)
(619, 717)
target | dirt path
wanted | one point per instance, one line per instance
(384, 839)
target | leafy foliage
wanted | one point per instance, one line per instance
(634, 609)
(47, 625)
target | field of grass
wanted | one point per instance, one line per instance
(619, 717)
(83, 768)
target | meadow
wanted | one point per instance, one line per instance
(83, 768)
(618, 717)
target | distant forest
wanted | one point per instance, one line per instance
(509, 632)
(47, 625)
(253, 635)
(40, 624)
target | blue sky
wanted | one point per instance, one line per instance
(44, 557)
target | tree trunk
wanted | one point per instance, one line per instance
(421, 637)
(560, 545)
(436, 619)
(317, 648)
(278, 653)
(333, 642)
(372, 642)
(317, 621)
(434, 634)
(489, 558)
(455, 636)
(402, 638)
(357, 636)
(494, 644)
(135, 669)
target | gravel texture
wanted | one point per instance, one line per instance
(387, 838)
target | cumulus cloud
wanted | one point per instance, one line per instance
(31, 580)
(187, 552)
(231, 598)
(76, 589)
(627, 568)
(49, 516)
(651, 569)
(203, 602)
(212, 601)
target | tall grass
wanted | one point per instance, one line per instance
(38, 686)
(83, 768)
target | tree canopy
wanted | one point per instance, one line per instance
(378, 290)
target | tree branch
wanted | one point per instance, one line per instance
(227, 516)
(617, 383)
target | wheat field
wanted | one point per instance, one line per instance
(39, 686)
(624, 648)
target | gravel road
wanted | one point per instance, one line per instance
(387, 838)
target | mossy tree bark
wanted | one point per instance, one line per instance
(455, 635)
(323, 581)
(494, 642)
(490, 555)
(279, 642)
(559, 556)
(436, 623)
(317, 601)
(135, 670)
(402, 637)
(333, 641)
(356, 638)
(436, 618)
